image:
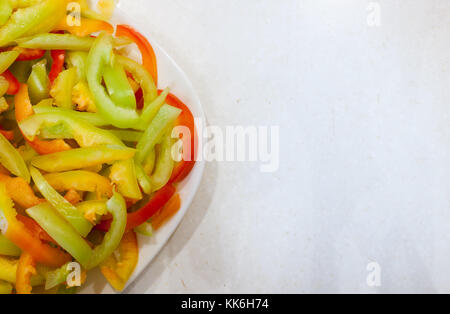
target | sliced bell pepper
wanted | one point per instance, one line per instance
(156, 203)
(38, 82)
(149, 162)
(89, 117)
(145, 229)
(78, 60)
(35, 229)
(169, 210)
(158, 127)
(87, 135)
(86, 11)
(87, 27)
(73, 197)
(8, 248)
(4, 85)
(82, 158)
(39, 18)
(82, 97)
(186, 119)
(164, 165)
(62, 88)
(51, 41)
(7, 58)
(119, 270)
(67, 210)
(148, 54)
(14, 84)
(63, 233)
(58, 57)
(123, 175)
(80, 180)
(24, 110)
(6, 9)
(5, 287)
(20, 191)
(11, 159)
(117, 207)
(93, 210)
(127, 135)
(4, 106)
(16, 232)
(118, 86)
(25, 270)
(141, 76)
(8, 269)
(100, 57)
(144, 180)
(21, 71)
(29, 54)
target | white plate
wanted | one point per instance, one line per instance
(171, 75)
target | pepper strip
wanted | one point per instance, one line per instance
(60, 230)
(117, 207)
(20, 191)
(186, 119)
(117, 272)
(148, 54)
(99, 58)
(24, 109)
(58, 57)
(39, 18)
(16, 232)
(137, 218)
(67, 210)
(85, 181)
(87, 27)
(169, 210)
(14, 84)
(11, 159)
(25, 270)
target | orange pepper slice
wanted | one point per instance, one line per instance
(25, 270)
(87, 27)
(117, 272)
(24, 109)
(169, 210)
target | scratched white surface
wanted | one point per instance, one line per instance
(365, 145)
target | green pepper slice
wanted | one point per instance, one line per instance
(67, 210)
(61, 231)
(11, 159)
(117, 207)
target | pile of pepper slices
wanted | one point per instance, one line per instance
(85, 147)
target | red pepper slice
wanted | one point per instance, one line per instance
(148, 54)
(30, 54)
(14, 84)
(145, 213)
(58, 57)
(26, 54)
(186, 118)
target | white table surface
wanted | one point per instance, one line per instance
(364, 114)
